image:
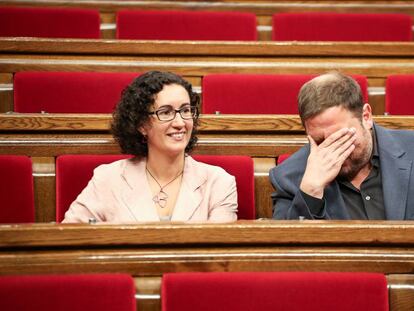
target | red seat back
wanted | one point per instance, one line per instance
(293, 291)
(399, 95)
(73, 173)
(257, 94)
(69, 92)
(282, 158)
(86, 292)
(242, 168)
(329, 26)
(49, 22)
(185, 25)
(16, 189)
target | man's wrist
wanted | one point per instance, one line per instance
(312, 190)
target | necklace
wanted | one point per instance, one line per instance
(161, 197)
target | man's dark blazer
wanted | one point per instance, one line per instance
(396, 154)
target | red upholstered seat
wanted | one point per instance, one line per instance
(399, 95)
(293, 291)
(282, 158)
(49, 22)
(329, 26)
(69, 92)
(104, 292)
(257, 94)
(16, 189)
(242, 168)
(185, 25)
(74, 171)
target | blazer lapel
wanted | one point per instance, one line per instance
(190, 195)
(395, 174)
(136, 194)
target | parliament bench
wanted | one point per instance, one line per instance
(147, 251)
(263, 10)
(43, 137)
(194, 60)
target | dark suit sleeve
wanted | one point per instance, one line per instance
(288, 199)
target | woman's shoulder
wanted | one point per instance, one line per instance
(116, 167)
(208, 170)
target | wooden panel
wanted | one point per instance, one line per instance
(306, 233)
(205, 48)
(263, 187)
(154, 249)
(6, 92)
(401, 289)
(44, 188)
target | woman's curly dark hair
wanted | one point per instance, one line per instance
(131, 113)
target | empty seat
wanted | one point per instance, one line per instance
(74, 171)
(16, 189)
(86, 292)
(242, 168)
(185, 25)
(257, 94)
(69, 92)
(49, 22)
(399, 95)
(326, 26)
(293, 291)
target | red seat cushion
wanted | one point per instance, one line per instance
(16, 189)
(185, 25)
(69, 92)
(328, 26)
(242, 168)
(49, 22)
(293, 291)
(257, 94)
(86, 292)
(399, 95)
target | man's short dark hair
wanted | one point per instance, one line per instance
(330, 90)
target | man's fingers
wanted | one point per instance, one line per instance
(346, 154)
(312, 143)
(344, 145)
(343, 133)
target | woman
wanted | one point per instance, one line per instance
(156, 121)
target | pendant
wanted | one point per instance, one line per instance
(160, 198)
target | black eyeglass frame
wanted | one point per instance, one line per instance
(194, 112)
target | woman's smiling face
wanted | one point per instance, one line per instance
(169, 137)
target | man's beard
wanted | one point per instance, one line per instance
(356, 162)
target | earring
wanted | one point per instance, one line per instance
(144, 139)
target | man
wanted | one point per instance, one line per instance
(351, 168)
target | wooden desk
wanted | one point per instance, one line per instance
(147, 251)
(194, 60)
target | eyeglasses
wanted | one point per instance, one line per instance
(167, 113)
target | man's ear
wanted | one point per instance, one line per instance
(367, 120)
